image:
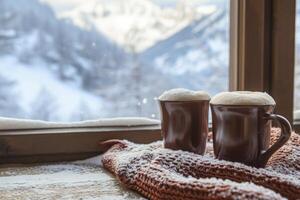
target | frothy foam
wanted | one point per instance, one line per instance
(242, 98)
(181, 94)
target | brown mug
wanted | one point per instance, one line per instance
(185, 125)
(241, 133)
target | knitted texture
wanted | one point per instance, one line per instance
(159, 173)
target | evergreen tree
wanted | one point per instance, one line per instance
(7, 33)
(9, 106)
(83, 112)
(44, 106)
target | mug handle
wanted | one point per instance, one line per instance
(286, 131)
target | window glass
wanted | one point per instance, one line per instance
(71, 60)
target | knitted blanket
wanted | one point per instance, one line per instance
(159, 173)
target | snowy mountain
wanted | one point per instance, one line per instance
(179, 41)
(137, 23)
(199, 51)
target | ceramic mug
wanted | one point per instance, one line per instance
(241, 125)
(184, 121)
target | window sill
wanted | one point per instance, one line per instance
(66, 144)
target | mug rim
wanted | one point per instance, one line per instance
(183, 101)
(242, 105)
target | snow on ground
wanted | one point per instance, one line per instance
(32, 78)
(15, 124)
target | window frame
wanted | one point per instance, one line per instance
(262, 50)
(258, 58)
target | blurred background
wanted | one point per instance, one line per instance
(71, 60)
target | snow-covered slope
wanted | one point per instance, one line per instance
(35, 82)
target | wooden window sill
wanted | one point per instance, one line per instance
(66, 144)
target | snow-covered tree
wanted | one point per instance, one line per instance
(44, 106)
(7, 33)
(9, 105)
(83, 112)
(134, 79)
